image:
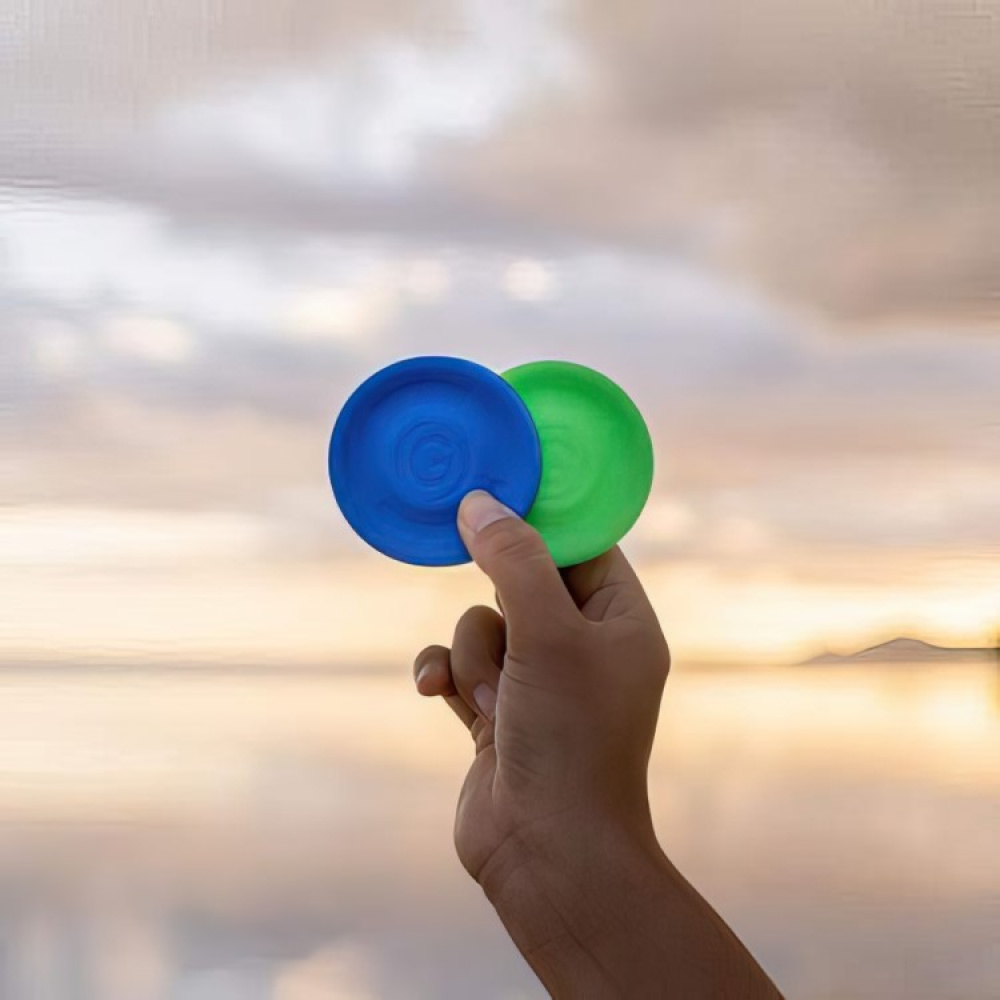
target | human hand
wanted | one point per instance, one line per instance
(561, 694)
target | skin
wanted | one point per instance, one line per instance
(561, 694)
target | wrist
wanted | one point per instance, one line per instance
(566, 898)
(599, 911)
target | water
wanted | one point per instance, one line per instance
(173, 835)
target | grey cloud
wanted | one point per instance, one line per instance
(175, 112)
(842, 155)
(73, 64)
(845, 155)
(752, 419)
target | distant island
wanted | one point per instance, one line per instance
(901, 650)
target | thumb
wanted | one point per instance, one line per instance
(514, 556)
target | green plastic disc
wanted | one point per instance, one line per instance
(597, 458)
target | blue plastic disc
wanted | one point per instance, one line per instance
(414, 439)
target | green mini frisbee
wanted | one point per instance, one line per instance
(597, 458)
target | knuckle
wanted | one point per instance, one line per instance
(481, 732)
(475, 618)
(657, 652)
(475, 633)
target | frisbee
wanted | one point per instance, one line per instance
(414, 439)
(597, 458)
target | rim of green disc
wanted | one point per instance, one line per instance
(585, 420)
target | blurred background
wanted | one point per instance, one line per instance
(777, 224)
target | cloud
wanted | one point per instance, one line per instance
(843, 154)
(150, 339)
(325, 132)
(739, 395)
(115, 60)
(529, 280)
(341, 315)
(840, 155)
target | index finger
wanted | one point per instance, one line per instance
(606, 587)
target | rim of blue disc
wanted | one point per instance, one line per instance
(418, 435)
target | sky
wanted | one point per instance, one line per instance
(776, 225)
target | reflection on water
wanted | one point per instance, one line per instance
(182, 836)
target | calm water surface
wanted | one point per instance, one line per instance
(173, 836)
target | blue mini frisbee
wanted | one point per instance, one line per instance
(414, 439)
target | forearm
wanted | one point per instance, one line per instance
(598, 915)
